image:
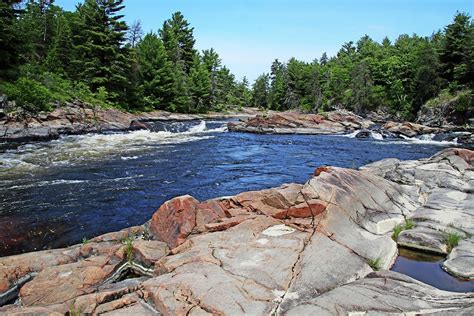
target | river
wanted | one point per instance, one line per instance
(54, 194)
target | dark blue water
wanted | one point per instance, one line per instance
(54, 194)
(427, 269)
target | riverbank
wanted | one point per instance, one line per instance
(79, 118)
(257, 252)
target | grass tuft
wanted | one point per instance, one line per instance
(375, 264)
(128, 242)
(452, 240)
(409, 224)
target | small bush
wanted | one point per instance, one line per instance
(452, 240)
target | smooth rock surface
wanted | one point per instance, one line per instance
(292, 250)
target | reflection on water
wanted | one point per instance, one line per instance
(427, 269)
(55, 193)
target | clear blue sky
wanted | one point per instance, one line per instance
(249, 35)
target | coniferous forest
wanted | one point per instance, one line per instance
(48, 55)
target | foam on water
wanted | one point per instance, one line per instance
(69, 150)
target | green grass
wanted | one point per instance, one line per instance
(73, 311)
(452, 240)
(409, 224)
(85, 241)
(375, 264)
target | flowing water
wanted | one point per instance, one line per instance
(55, 193)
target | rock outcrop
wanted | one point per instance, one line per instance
(295, 249)
(336, 122)
(79, 118)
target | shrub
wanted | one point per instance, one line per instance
(29, 94)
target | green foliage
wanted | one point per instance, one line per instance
(28, 94)
(396, 231)
(73, 311)
(408, 224)
(375, 264)
(399, 77)
(452, 240)
(85, 241)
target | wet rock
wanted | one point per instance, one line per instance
(409, 129)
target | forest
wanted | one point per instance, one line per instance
(395, 78)
(52, 56)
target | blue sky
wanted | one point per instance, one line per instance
(249, 35)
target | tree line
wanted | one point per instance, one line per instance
(48, 54)
(397, 78)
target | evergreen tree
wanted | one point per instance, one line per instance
(278, 87)
(457, 49)
(179, 41)
(260, 91)
(156, 73)
(200, 86)
(361, 86)
(10, 40)
(102, 58)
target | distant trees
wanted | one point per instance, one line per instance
(397, 77)
(93, 55)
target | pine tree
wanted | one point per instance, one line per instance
(260, 92)
(457, 49)
(10, 40)
(361, 86)
(278, 86)
(102, 59)
(179, 41)
(200, 86)
(156, 73)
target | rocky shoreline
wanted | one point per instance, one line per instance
(79, 118)
(322, 248)
(345, 122)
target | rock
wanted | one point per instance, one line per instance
(460, 261)
(294, 249)
(336, 122)
(175, 220)
(444, 184)
(385, 293)
(80, 118)
(409, 129)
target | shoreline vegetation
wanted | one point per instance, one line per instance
(51, 57)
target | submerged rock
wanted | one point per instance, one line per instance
(295, 249)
